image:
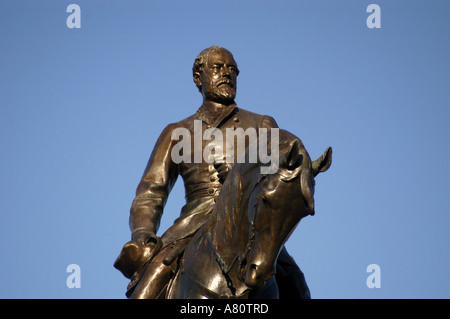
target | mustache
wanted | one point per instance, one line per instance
(225, 81)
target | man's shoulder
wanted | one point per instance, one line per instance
(260, 118)
(245, 112)
(184, 123)
(248, 113)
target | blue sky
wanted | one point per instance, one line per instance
(80, 111)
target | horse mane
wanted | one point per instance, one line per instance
(244, 177)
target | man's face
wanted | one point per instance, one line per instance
(219, 77)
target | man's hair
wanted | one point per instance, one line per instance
(202, 59)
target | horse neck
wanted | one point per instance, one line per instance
(229, 224)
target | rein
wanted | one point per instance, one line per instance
(221, 262)
(223, 266)
(243, 259)
(250, 242)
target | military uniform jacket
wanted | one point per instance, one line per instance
(201, 182)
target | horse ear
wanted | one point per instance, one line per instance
(294, 157)
(293, 160)
(323, 163)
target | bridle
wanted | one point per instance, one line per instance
(242, 258)
(225, 269)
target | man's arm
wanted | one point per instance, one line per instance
(153, 190)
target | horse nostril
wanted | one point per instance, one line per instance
(253, 272)
(251, 277)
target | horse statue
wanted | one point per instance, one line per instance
(233, 255)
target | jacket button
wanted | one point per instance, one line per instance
(211, 191)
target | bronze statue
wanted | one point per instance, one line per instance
(229, 239)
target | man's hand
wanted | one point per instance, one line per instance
(137, 252)
(144, 237)
(222, 168)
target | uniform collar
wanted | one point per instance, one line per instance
(214, 116)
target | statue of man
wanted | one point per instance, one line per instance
(215, 73)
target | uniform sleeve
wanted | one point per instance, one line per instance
(153, 190)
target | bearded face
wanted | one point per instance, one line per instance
(218, 79)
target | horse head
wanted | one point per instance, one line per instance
(277, 204)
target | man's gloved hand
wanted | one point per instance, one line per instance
(137, 252)
(144, 237)
(222, 168)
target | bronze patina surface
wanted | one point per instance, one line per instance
(229, 239)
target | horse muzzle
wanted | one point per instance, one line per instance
(256, 275)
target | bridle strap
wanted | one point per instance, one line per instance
(223, 266)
